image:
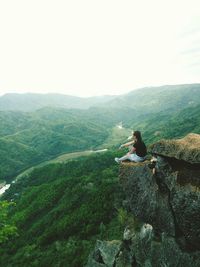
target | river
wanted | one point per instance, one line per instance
(4, 188)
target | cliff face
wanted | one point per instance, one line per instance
(165, 227)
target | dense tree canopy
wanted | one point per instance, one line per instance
(64, 208)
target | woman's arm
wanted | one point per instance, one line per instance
(127, 144)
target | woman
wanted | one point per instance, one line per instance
(138, 151)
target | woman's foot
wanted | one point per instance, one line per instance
(117, 160)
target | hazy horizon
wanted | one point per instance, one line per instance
(59, 93)
(91, 48)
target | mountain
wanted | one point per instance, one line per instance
(168, 98)
(31, 102)
(61, 209)
(143, 100)
(27, 138)
(162, 220)
(156, 126)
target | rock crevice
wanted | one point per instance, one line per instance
(167, 204)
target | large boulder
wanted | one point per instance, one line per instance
(169, 200)
(187, 148)
(165, 206)
(144, 199)
(104, 254)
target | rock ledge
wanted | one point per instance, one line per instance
(187, 148)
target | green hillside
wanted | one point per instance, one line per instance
(15, 157)
(149, 99)
(162, 125)
(31, 102)
(61, 209)
(34, 137)
(167, 98)
(29, 138)
(13, 122)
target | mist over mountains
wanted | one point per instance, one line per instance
(148, 99)
(29, 135)
(32, 102)
(63, 207)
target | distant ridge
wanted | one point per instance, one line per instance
(150, 99)
(155, 99)
(32, 102)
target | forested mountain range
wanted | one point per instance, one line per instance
(27, 138)
(61, 209)
(31, 101)
(149, 99)
(175, 124)
(155, 99)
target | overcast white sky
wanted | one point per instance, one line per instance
(99, 47)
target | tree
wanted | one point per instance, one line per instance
(7, 228)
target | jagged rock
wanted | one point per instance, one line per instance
(167, 205)
(185, 203)
(124, 260)
(145, 200)
(170, 200)
(146, 251)
(146, 232)
(164, 252)
(187, 148)
(128, 234)
(182, 181)
(104, 254)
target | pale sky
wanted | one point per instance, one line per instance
(90, 47)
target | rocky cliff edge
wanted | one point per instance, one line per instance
(166, 207)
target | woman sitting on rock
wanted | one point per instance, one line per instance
(137, 152)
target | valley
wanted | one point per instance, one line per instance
(65, 192)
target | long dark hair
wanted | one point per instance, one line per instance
(137, 134)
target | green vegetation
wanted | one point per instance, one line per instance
(144, 100)
(7, 227)
(67, 198)
(48, 137)
(116, 136)
(158, 126)
(2, 182)
(43, 135)
(27, 139)
(32, 102)
(60, 159)
(61, 209)
(169, 98)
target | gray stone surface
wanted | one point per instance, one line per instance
(104, 254)
(145, 200)
(167, 205)
(187, 148)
